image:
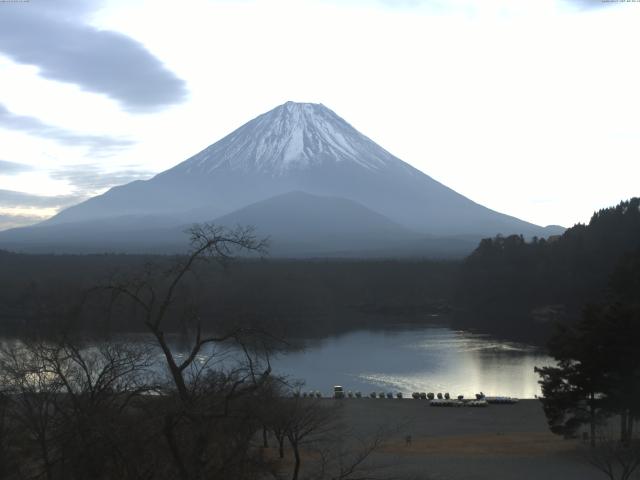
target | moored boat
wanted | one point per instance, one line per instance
(501, 400)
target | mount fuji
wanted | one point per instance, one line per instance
(301, 174)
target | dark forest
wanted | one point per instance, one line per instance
(508, 286)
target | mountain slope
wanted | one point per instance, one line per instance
(300, 147)
(122, 234)
(299, 225)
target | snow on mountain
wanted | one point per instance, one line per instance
(291, 136)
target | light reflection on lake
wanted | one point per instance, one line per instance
(431, 359)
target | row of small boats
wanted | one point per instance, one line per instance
(445, 399)
(435, 399)
(472, 403)
(458, 403)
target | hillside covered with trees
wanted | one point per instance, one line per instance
(521, 288)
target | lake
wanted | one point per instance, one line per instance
(407, 359)
(401, 358)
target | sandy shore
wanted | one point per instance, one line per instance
(496, 442)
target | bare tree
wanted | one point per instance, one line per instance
(6, 457)
(318, 437)
(352, 457)
(67, 400)
(208, 429)
(33, 394)
(309, 420)
(156, 296)
(618, 460)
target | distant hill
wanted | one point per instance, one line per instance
(301, 223)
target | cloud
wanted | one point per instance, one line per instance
(55, 37)
(412, 3)
(99, 144)
(445, 3)
(457, 6)
(13, 199)
(89, 179)
(11, 168)
(589, 4)
(13, 221)
(21, 209)
(86, 180)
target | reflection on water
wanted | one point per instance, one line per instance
(432, 359)
(405, 359)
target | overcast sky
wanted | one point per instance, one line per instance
(528, 107)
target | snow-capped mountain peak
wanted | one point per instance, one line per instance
(292, 136)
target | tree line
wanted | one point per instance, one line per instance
(508, 286)
(521, 288)
(311, 298)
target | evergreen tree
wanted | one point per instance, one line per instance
(573, 391)
(598, 372)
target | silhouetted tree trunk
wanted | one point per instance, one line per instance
(296, 465)
(592, 420)
(281, 446)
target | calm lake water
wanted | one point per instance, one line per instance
(397, 359)
(405, 359)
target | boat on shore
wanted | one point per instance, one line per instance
(501, 400)
(457, 403)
